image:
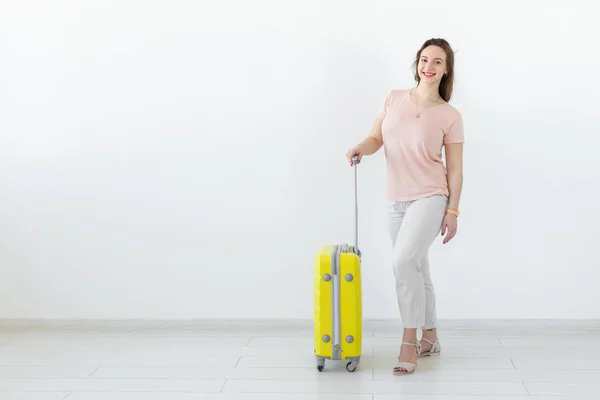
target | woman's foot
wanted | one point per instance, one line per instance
(429, 343)
(407, 360)
(431, 335)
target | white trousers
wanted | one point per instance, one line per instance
(413, 226)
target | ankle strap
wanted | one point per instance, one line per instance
(428, 341)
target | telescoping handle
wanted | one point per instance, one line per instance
(354, 162)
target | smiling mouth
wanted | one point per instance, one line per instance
(428, 74)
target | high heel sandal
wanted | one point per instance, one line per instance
(433, 351)
(409, 367)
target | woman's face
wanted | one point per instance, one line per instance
(432, 64)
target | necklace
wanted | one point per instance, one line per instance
(417, 104)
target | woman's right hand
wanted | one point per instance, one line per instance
(355, 151)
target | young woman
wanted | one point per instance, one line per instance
(413, 126)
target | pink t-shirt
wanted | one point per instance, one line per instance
(413, 145)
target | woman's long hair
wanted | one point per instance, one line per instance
(447, 82)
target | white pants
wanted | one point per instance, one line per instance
(413, 226)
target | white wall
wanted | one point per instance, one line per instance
(158, 159)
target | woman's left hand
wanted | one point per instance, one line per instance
(449, 227)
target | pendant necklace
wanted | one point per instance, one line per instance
(417, 103)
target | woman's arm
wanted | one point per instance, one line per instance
(370, 145)
(454, 173)
(374, 141)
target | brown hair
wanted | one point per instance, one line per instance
(447, 82)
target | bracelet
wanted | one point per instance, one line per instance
(453, 212)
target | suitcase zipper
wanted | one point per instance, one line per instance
(336, 335)
(336, 326)
(335, 257)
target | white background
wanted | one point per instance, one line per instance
(186, 159)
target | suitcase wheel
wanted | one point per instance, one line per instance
(352, 365)
(320, 364)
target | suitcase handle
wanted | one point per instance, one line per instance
(354, 162)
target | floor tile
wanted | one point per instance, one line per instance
(427, 374)
(564, 389)
(452, 352)
(452, 342)
(448, 363)
(169, 360)
(45, 372)
(203, 351)
(31, 395)
(194, 339)
(399, 387)
(215, 396)
(266, 332)
(68, 338)
(55, 355)
(552, 342)
(377, 362)
(472, 397)
(123, 385)
(75, 333)
(495, 352)
(230, 373)
(87, 340)
(55, 350)
(304, 342)
(372, 342)
(19, 323)
(225, 341)
(393, 333)
(557, 363)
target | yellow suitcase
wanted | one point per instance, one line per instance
(338, 301)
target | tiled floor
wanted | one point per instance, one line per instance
(200, 360)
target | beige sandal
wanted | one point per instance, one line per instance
(409, 367)
(433, 351)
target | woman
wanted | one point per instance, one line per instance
(413, 126)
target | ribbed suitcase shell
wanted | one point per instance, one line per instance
(338, 306)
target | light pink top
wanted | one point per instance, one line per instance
(413, 145)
